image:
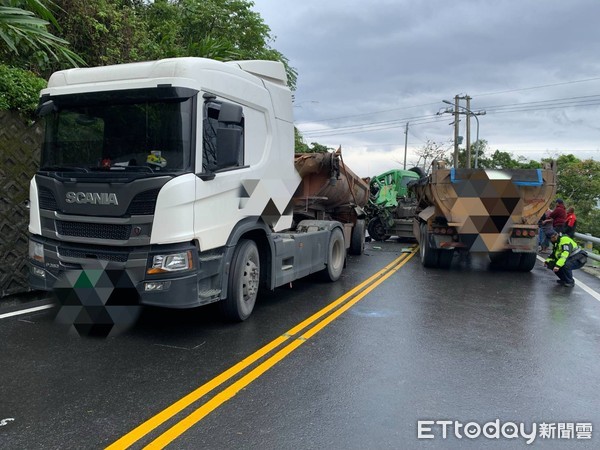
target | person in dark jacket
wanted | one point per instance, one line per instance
(558, 215)
(546, 230)
(570, 223)
(566, 257)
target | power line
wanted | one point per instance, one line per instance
(537, 87)
(586, 101)
(370, 113)
(437, 103)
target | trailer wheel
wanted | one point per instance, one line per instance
(445, 258)
(377, 230)
(336, 255)
(357, 240)
(243, 282)
(527, 262)
(429, 255)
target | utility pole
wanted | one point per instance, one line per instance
(468, 108)
(405, 144)
(456, 112)
(469, 113)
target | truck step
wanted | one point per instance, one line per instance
(210, 257)
(209, 293)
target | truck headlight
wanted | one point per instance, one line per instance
(170, 263)
(36, 251)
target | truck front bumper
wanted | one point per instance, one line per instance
(65, 265)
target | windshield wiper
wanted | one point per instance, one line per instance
(122, 169)
(63, 169)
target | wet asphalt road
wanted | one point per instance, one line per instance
(468, 345)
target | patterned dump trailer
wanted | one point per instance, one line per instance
(482, 211)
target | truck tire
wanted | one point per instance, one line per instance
(336, 256)
(429, 255)
(377, 230)
(243, 282)
(513, 261)
(445, 258)
(357, 239)
(527, 262)
(506, 260)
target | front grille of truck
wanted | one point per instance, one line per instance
(93, 230)
(92, 253)
(46, 199)
(143, 203)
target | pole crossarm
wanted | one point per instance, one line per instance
(469, 113)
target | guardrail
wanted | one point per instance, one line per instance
(593, 240)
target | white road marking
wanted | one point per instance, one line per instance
(587, 289)
(25, 311)
(581, 284)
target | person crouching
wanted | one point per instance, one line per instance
(566, 257)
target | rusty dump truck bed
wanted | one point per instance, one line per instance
(329, 189)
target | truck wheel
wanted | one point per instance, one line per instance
(513, 261)
(336, 255)
(377, 230)
(527, 262)
(357, 240)
(244, 279)
(445, 258)
(429, 255)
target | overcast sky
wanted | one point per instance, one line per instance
(366, 68)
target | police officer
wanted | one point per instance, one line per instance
(566, 257)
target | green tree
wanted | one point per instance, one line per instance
(302, 147)
(25, 41)
(120, 31)
(104, 32)
(19, 90)
(505, 160)
(299, 145)
(579, 186)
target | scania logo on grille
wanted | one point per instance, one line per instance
(94, 198)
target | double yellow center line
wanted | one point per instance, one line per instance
(327, 315)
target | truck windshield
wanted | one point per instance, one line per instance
(119, 132)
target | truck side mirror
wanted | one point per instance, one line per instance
(229, 135)
(230, 113)
(46, 108)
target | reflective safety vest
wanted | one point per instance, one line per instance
(563, 248)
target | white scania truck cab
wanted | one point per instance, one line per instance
(180, 173)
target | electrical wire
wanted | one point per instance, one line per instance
(567, 102)
(476, 95)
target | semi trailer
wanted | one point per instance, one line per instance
(487, 211)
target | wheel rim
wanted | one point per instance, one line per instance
(337, 255)
(378, 230)
(250, 280)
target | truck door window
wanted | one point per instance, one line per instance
(214, 125)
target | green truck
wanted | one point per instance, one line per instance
(392, 206)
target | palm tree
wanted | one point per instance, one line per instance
(24, 26)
